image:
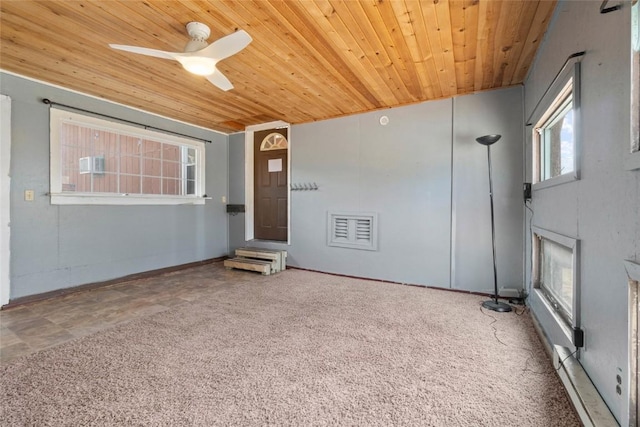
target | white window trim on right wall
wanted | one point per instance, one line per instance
(549, 103)
(574, 245)
(633, 273)
(632, 156)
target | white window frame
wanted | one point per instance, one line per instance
(633, 273)
(5, 199)
(58, 197)
(632, 156)
(573, 244)
(567, 84)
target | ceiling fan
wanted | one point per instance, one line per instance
(199, 57)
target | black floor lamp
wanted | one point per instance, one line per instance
(494, 304)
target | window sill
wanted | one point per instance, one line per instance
(558, 180)
(123, 199)
(560, 322)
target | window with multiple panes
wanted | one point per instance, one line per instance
(98, 161)
(555, 133)
(555, 265)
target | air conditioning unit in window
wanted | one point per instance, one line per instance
(94, 164)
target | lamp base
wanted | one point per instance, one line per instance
(497, 306)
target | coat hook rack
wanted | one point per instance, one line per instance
(306, 186)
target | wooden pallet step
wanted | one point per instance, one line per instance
(277, 256)
(249, 264)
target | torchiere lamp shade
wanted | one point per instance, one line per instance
(488, 139)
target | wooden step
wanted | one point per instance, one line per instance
(249, 264)
(278, 257)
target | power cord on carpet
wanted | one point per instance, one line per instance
(526, 362)
(495, 330)
(560, 365)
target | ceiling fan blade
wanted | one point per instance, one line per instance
(219, 80)
(226, 46)
(144, 51)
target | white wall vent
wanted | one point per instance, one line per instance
(353, 230)
(93, 165)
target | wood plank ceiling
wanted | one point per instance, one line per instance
(309, 60)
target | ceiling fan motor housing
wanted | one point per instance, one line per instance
(198, 31)
(199, 34)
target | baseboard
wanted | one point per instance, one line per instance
(461, 291)
(91, 286)
(584, 396)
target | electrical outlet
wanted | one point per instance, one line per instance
(224, 199)
(29, 195)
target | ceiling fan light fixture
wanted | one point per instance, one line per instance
(199, 65)
(199, 57)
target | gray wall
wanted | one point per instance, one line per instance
(54, 247)
(411, 172)
(602, 208)
(236, 189)
(486, 113)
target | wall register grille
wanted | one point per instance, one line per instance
(353, 230)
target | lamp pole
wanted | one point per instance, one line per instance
(494, 304)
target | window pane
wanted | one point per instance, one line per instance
(130, 184)
(171, 186)
(171, 152)
(191, 179)
(105, 183)
(104, 143)
(191, 156)
(171, 169)
(101, 157)
(558, 146)
(130, 146)
(129, 165)
(82, 183)
(152, 167)
(151, 185)
(151, 149)
(556, 274)
(110, 163)
(77, 144)
(191, 186)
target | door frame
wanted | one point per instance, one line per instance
(5, 198)
(249, 230)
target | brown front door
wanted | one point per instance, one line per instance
(271, 184)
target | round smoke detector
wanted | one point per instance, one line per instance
(384, 120)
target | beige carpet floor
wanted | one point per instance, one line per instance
(297, 348)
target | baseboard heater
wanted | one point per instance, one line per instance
(584, 396)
